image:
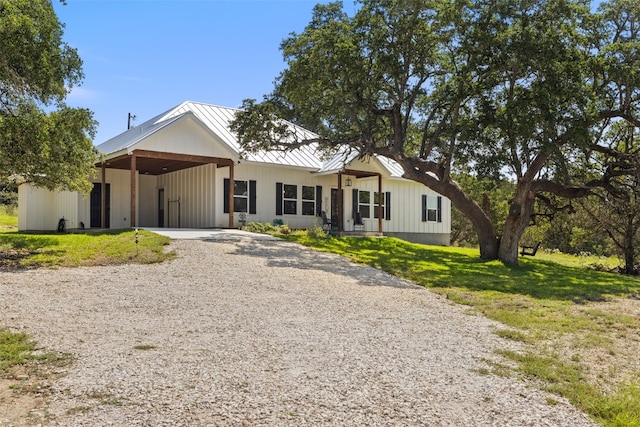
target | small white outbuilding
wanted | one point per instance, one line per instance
(175, 170)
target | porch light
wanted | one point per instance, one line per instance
(348, 182)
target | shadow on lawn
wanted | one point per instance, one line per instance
(445, 267)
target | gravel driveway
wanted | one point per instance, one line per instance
(240, 331)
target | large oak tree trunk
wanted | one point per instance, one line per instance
(504, 248)
(520, 211)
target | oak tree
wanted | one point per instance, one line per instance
(509, 89)
(42, 140)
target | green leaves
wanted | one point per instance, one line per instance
(52, 149)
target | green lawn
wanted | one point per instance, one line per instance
(22, 250)
(8, 219)
(580, 326)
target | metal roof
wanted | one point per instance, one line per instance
(217, 120)
(344, 157)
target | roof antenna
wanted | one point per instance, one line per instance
(131, 117)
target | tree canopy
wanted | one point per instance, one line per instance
(42, 140)
(515, 89)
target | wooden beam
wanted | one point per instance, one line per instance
(220, 161)
(103, 200)
(231, 185)
(133, 189)
(359, 174)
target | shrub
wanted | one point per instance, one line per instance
(258, 227)
(284, 229)
(316, 232)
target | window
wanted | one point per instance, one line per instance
(290, 199)
(377, 201)
(432, 208)
(287, 199)
(244, 196)
(308, 200)
(240, 196)
(364, 201)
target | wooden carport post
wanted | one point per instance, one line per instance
(133, 189)
(103, 198)
(231, 187)
(380, 201)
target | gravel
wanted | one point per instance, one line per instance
(240, 331)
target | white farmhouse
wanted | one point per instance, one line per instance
(175, 170)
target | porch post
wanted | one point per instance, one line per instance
(340, 202)
(103, 201)
(231, 186)
(380, 200)
(133, 189)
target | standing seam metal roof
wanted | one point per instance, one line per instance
(217, 120)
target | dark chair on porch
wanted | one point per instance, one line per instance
(326, 222)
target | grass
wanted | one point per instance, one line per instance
(578, 342)
(18, 349)
(15, 349)
(30, 250)
(8, 218)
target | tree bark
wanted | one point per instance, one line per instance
(629, 247)
(520, 211)
(482, 224)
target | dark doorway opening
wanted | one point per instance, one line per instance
(161, 207)
(96, 205)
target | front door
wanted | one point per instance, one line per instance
(335, 209)
(95, 202)
(161, 207)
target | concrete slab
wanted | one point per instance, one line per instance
(208, 234)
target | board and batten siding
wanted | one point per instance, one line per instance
(266, 177)
(120, 203)
(186, 136)
(196, 190)
(406, 211)
(46, 208)
(147, 213)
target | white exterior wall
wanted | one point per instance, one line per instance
(406, 206)
(266, 177)
(406, 211)
(147, 212)
(40, 209)
(36, 208)
(196, 188)
(406, 201)
(186, 136)
(120, 195)
(120, 199)
(201, 194)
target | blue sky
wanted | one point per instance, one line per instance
(147, 56)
